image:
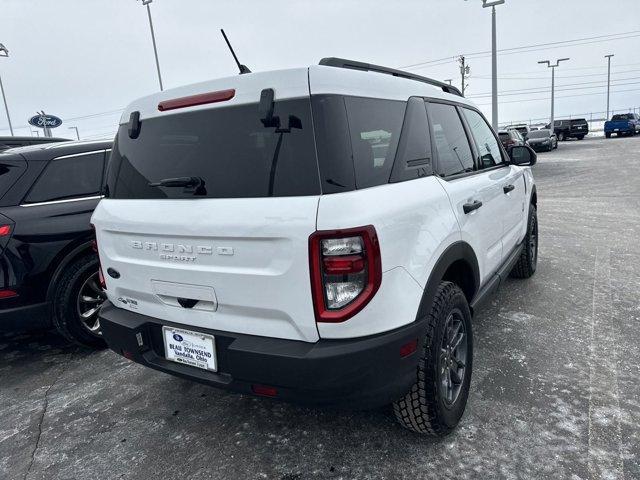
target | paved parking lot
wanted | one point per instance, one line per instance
(555, 391)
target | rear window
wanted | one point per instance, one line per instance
(228, 149)
(622, 117)
(578, 121)
(539, 134)
(11, 168)
(503, 136)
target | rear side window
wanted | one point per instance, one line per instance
(227, 150)
(452, 145)
(374, 127)
(489, 151)
(69, 177)
(11, 168)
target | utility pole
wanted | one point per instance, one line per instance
(5, 53)
(465, 71)
(608, 57)
(77, 133)
(553, 85)
(153, 39)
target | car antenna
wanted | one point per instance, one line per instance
(242, 68)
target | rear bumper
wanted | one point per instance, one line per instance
(27, 317)
(364, 373)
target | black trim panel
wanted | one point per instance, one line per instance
(360, 372)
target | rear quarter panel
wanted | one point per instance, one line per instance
(414, 223)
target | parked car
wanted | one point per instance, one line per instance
(268, 245)
(523, 129)
(13, 142)
(511, 138)
(622, 124)
(49, 269)
(573, 128)
(543, 140)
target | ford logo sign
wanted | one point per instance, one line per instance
(45, 121)
(177, 338)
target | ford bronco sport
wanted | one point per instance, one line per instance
(319, 235)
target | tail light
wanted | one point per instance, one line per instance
(8, 293)
(5, 230)
(94, 246)
(346, 271)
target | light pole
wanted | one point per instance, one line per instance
(5, 53)
(449, 80)
(553, 85)
(494, 61)
(608, 57)
(153, 39)
(77, 133)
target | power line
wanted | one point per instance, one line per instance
(504, 51)
(482, 77)
(558, 87)
(564, 96)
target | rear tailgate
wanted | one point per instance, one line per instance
(228, 249)
(244, 260)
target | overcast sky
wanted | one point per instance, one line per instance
(84, 60)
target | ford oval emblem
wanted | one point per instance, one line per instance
(177, 337)
(45, 121)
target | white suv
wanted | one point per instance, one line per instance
(318, 235)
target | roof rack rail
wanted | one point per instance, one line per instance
(367, 67)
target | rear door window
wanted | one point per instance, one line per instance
(487, 145)
(374, 127)
(452, 145)
(227, 150)
(69, 177)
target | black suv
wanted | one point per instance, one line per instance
(574, 128)
(48, 266)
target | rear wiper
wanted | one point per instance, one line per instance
(178, 182)
(194, 185)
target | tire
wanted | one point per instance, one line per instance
(561, 137)
(79, 277)
(528, 261)
(608, 135)
(431, 407)
(581, 137)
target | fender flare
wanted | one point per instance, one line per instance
(64, 263)
(455, 252)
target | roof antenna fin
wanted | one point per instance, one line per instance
(242, 68)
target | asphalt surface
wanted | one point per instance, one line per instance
(555, 390)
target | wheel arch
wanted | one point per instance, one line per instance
(534, 196)
(64, 259)
(458, 264)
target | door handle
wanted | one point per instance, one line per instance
(508, 188)
(470, 207)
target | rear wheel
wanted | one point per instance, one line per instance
(437, 400)
(581, 137)
(561, 136)
(528, 261)
(608, 135)
(77, 298)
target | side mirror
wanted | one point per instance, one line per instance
(522, 155)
